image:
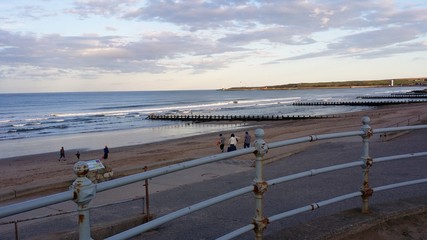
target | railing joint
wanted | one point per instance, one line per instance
(313, 138)
(313, 172)
(260, 225)
(367, 192)
(260, 187)
(314, 206)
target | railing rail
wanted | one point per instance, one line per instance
(82, 191)
(317, 205)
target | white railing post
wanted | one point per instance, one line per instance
(367, 163)
(260, 185)
(84, 192)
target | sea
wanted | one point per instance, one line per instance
(32, 123)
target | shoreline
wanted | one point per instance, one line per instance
(113, 139)
(44, 169)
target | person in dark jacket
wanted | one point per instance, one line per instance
(247, 142)
(62, 154)
(106, 152)
(221, 142)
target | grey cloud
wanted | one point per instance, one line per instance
(291, 36)
(304, 56)
(200, 15)
(34, 12)
(26, 72)
(108, 8)
(212, 62)
(286, 22)
(252, 20)
(400, 48)
(308, 16)
(374, 44)
(377, 28)
(107, 53)
(376, 39)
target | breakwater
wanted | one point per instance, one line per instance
(359, 103)
(206, 118)
(393, 99)
(395, 96)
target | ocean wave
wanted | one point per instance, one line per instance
(35, 119)
(273, 100)
(394, 91)
(123, 107)
(19, 130)
(5, 121)
(197, 106)
(91, 114)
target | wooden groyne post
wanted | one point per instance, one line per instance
(206, 118)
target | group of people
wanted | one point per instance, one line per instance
(62, 153)
(232, 142)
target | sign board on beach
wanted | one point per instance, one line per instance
(94, 164)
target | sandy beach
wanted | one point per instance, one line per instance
(23, 173)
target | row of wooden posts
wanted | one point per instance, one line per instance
(202, 118)
(395, 96)
(359, 103)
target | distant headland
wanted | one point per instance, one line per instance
(401, 82)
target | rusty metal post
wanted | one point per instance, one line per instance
(367, 163)
(16, 230)
(147, 199)
(84, 192)
(260, 186)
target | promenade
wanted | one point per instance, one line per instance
(178, 190)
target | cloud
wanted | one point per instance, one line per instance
(229, 15)
(108, 53)
(374, 31)
(201, 35)
(376, 23)
(107, 8)
(282, 35)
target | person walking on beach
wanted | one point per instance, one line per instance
(221, 142)
(78, 155)
(232, 143)
(247, 142)
(106, 152)
(61, 154)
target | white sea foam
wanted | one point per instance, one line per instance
(188, 107)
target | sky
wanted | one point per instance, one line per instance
(131, 45)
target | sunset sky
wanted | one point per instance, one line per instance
(130, 45)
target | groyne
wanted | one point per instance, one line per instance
(359, 103)
(391, 100)
(394, 96)
(205, 118)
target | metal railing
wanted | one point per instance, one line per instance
(82, 191)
